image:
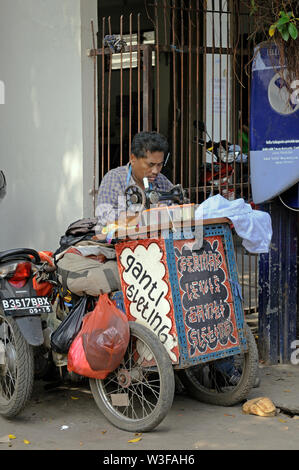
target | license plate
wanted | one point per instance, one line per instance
(26, 306)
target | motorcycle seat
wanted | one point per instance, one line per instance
(19, 254)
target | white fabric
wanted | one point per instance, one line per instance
(96, 251)
(253, 226)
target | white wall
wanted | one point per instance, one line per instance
(44, 145)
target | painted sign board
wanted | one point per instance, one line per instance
(207, 300)
(274, 128)
(181, 293)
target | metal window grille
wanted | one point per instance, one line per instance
(182, 70)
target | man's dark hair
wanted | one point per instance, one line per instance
(148, 142)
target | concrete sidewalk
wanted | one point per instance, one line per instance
(280, 383)
(67, 418)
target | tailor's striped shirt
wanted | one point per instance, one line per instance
(111, 200)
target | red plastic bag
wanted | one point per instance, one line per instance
(102, 342)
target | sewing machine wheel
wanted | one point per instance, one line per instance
(135, 198)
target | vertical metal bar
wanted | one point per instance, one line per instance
(138, 73)
(239, 127)
(190, 96)
(213, 89)
(242, 270)
(228, 18)
(121, 95)
(147, 88)
(219, 17)
(274, 282)
(240, 124)
(174, 75)
(249, 281)
(205, 99)
(267, 321)
(278, 287)
(94, 120)
(182, 93)
(248, 178)
(103, 98)
(157, 68)
(130, 88)
(165, 23)
(289, 282)
(281, 268)
(256, 274)
(256, 283)
(234, 101)
(248, 123)
(109, 102)
(197, 102)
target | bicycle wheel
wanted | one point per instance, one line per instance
(211, 383)
(17, 372)
(139, 393)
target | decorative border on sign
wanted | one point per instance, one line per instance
(209, 230)
(206, 296)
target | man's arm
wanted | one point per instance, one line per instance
(111, 201)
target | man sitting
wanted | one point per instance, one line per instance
(148, 151)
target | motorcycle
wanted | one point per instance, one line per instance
(24, 306)
(224, 167)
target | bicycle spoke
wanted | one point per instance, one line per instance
(143, 392)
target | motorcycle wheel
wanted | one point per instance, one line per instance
(139, 393)
(207, 383)
(17, 372)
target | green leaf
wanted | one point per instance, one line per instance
(293, 31)
(281, 27)
(285, 19)
(284, 32)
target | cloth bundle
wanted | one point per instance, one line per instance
(253, 226)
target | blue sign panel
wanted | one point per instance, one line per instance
(274, 127)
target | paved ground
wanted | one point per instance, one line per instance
(67, 418)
